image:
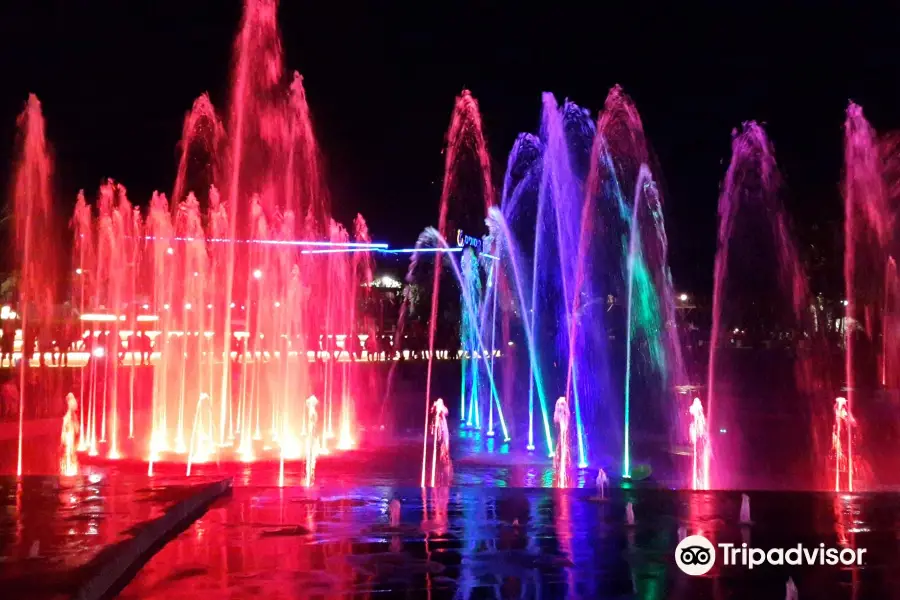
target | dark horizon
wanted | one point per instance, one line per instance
(115, 84)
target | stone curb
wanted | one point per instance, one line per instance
(135, 552)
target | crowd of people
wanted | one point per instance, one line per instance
(51, 345)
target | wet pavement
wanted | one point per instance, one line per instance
(501, 531)
(482, 542)
(54, 532)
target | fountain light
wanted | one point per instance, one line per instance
(170, 251)
(341, 250)
(683, 297)
(78, 271)
(418, 250)
(257, 273)
(369, 245)
(97, 317)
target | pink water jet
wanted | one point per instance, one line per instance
(699, 435)
(313, 437)
(70, 430)
(750, 191)
(562, 462)
(870, 283)
(464, 135)
(440, 433)
(35, 236)
(208, 286)
(842, 445)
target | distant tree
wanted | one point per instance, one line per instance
(412, 293)
(9, 287)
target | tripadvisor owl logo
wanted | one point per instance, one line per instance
(695, 555)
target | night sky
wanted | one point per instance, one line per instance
(116, 78)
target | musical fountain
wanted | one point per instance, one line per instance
(243, 294)
(209, 317)
(223, 328)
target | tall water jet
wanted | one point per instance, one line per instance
(866, 236)
(273, 153)
(217, 298)
(582, 216)
(761, 283)
(464, 135)
(622, 171)
(559, 191)
(35, 238)
(83, 256)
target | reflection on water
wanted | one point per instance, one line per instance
(51, 527)
(501, 532)
(479, 542)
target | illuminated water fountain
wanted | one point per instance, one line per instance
(562, 417)
(842, 445)
(871, 286)
(70, 428)
(758, 283)
(35, 245)
(470, 323)
(236, 292)
(440, 452)
(543, 279)
(602, 482)
(313, 438)
(245, 296)
(580, 233)
(700, 447)
(745, 510)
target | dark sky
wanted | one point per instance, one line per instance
(116, 77)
